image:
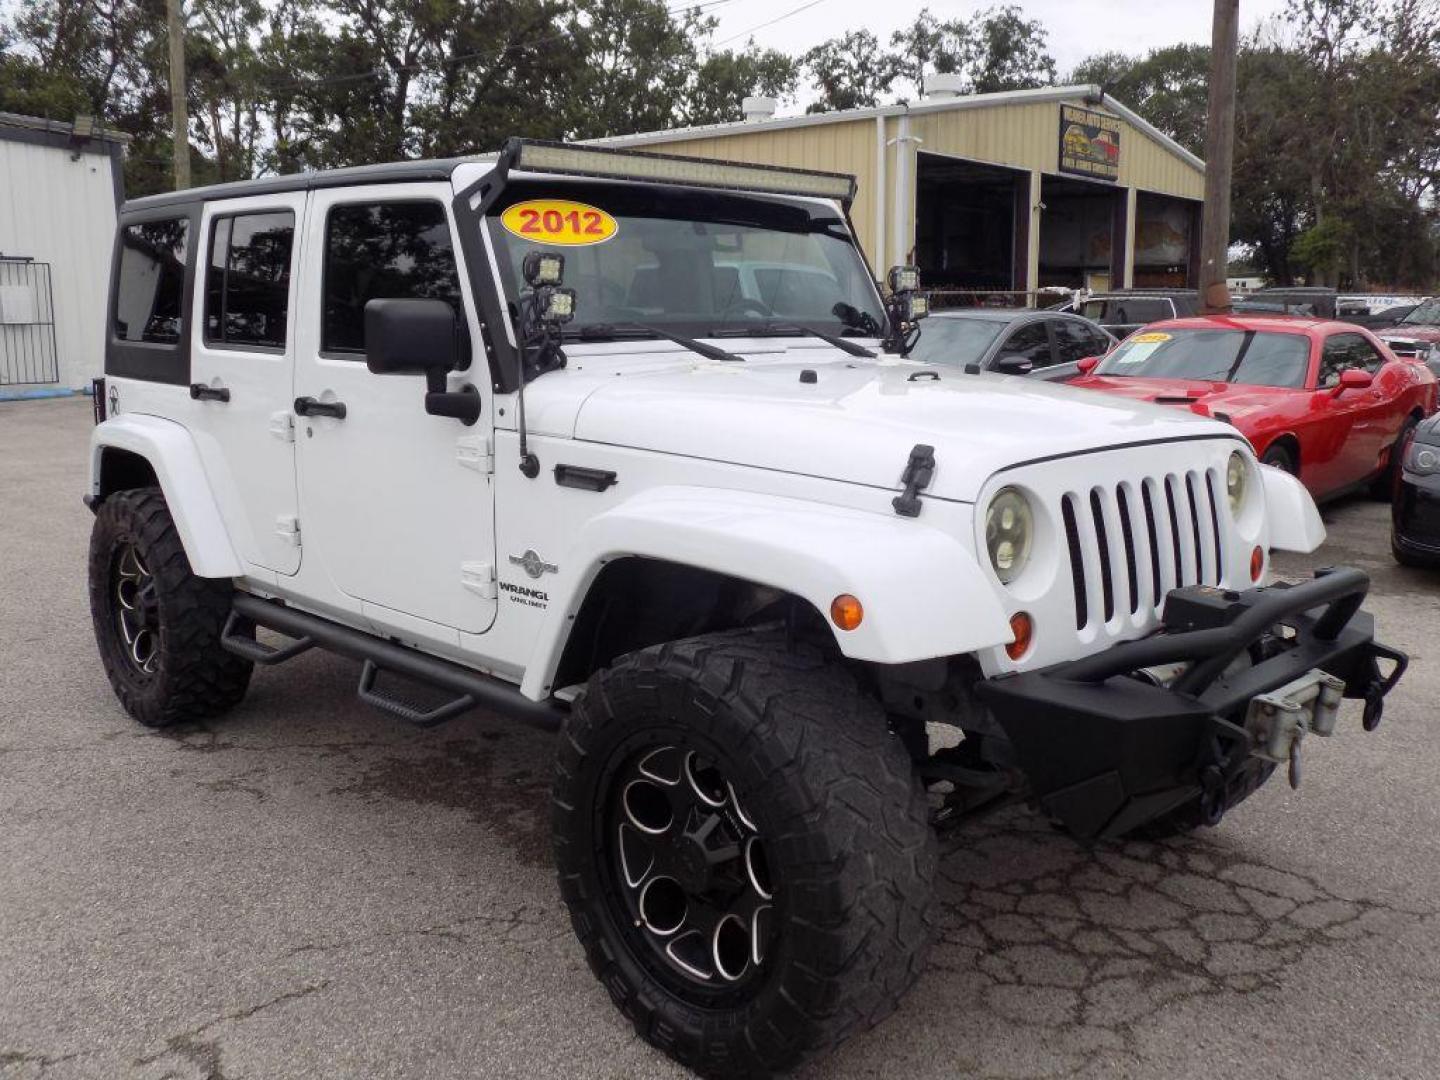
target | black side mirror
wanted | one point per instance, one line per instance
(1014, 364)
(405, 336)
(410, 337)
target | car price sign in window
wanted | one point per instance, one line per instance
(559, 221)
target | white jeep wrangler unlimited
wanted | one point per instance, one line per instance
(627, 446)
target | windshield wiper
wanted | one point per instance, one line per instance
(612, 331)
(791, 330)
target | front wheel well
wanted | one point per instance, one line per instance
(1291, 445)
(122, 470)
(637, 602)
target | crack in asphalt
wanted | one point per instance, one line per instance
(511, 931)
(205, 1053)
(1054, 938)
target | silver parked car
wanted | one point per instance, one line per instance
(1012, 341)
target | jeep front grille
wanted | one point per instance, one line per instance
(1130, 543)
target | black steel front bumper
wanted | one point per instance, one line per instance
(1105, 749)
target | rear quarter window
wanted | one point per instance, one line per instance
(150, 285)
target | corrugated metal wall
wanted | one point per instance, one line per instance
(1020, 136)
(62, 212)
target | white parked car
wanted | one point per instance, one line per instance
(506, 429)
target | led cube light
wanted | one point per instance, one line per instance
(543, 268)
(904, 279)
(554, 305)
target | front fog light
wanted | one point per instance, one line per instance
(1237, 481)
(1009, 533)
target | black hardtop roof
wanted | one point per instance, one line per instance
(394, 172)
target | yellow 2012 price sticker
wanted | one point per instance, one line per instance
(559, 221)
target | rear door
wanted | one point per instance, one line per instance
(242, 366)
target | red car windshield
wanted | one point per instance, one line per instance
(1235, 356)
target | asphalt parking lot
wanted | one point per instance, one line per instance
(308, 889)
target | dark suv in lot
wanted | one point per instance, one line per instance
(1124, 311)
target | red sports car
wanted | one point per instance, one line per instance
(1324, 400)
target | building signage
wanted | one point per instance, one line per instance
(1089, 143)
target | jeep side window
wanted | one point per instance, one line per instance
(150, 298)
(247, 282)
(383, 250)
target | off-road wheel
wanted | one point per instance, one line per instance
(744, 850)
(157, 625)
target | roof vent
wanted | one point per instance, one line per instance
(759, 108)
(944, 85)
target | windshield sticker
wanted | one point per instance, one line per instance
(559, 221)
(1140, 347)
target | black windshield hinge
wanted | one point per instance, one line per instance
(916, 478)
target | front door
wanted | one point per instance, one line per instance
(396, 505)
(242, 367)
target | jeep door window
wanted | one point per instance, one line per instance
(247, 279)
(150, 298)
(701, 263)
(1238, 356)
(380, 250)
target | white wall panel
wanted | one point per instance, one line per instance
(62, 212)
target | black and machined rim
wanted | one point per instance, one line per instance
(137, 609)
(691, 869)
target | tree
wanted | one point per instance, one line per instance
(724, 79)
(996, 49)
(1168, 87)
(851, 72)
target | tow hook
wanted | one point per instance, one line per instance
(1213, 795)
(1374, 708)
(1278, 721)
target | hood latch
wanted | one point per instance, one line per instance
(916, 478)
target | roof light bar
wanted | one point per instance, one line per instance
(670, 169)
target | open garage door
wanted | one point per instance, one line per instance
(970, 225)
(1166, 252)
(1082, 234)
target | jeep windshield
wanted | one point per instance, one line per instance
(691, 262)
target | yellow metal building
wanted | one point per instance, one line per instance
(1061, 186)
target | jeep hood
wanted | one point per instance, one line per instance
(858, 420)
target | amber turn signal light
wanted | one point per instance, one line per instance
(846, 611)
(1257, 564)
(1023, 627)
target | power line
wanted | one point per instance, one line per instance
(771, 22)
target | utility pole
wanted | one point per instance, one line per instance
(1219, 157)
(179, 113)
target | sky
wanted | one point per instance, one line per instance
(1078, 28)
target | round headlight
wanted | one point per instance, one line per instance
(1237, 481)
(1009, 533)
